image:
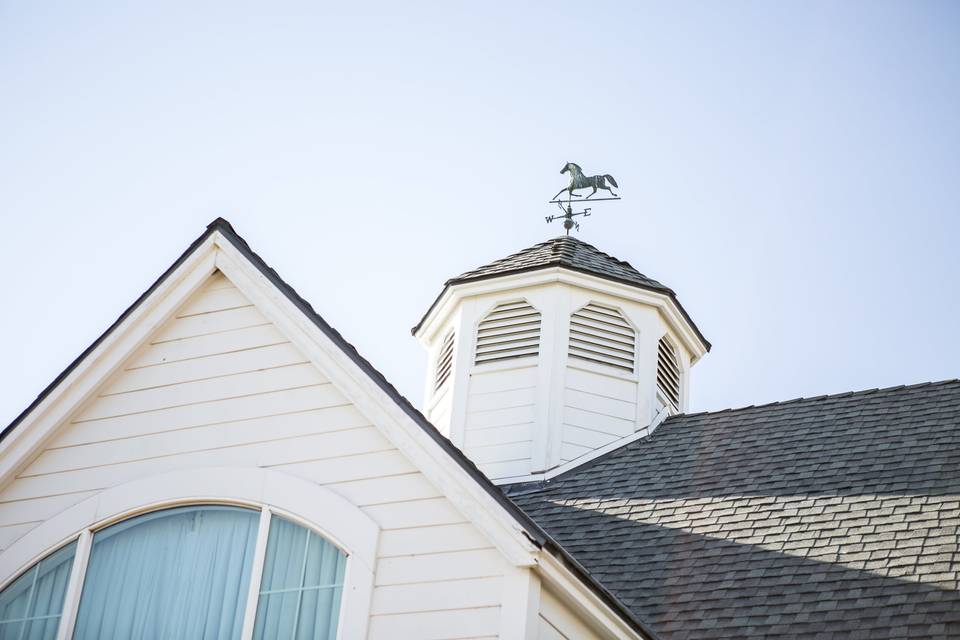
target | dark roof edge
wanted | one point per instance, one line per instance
(559, 263)
(536, 534)
(103, 336)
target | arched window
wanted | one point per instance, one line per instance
(601, 334)
(510, 330)
(186, 572)
(668, 373)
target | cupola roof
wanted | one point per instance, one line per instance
(573, 254)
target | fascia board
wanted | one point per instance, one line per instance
(575, 594)
(81, 380)
(477, 505)
(457, 292)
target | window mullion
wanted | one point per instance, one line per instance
(71, 601)
(256, 575)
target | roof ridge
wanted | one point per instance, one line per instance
(828, 396)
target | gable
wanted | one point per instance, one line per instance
(220, 364)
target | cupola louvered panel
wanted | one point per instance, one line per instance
(511, 330)
(445, 360)
(601, 334)
(668, 372)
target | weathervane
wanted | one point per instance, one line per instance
(579, 181)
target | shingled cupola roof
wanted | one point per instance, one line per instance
(570, 253)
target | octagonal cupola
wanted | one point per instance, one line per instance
(541, 360)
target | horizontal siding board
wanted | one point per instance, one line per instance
(570, 451)
(500, 452)
(201, 346)
(417, 513)
(586, 437)
(500, 417)
(503, 380)
(457, 565)
(216, 436)
(187, 393)
(501, 399)
(217, 412)
(42, 508)
(463, 624)
(215, 299)
(437, 539)
(514, 468)
(234, 362)
(499, 435)
(360, 466)
(437, 596)
(597, 421)
(386, 489)
(11, 533)
(600, 404)
(331, 445)
(208, 323)
(601, 385)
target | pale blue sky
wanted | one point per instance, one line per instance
(792, 170)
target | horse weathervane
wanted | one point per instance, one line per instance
(580, 181)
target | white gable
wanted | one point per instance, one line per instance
(217, 368)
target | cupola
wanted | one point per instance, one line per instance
(542, 359)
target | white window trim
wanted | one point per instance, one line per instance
(274, 493)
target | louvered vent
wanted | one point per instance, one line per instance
(668, 373)
(601, 334)
(445, 361)
(511, 330)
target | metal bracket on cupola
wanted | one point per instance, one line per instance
(579, 181)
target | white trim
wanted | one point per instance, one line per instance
(333, 517)
(38, 426)
(583, 600)
(590, 455)
(256, 574)
(520, 608)
(479, 507)
(71, 599)
(671, 311)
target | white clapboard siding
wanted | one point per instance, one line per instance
(455, 565)
(462, 624)
(437, 596)
(218, 385)
(446, 537)
(558, 623)
(500, 452)
(599, 407)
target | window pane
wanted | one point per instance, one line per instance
(30, 607)
(301, 585)
(178, 573)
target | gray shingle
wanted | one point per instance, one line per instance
(828, 517)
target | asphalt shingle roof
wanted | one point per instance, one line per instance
(570, 253)
(564, 251)
(831, 517)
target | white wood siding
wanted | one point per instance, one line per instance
(501, 410)
(599, 407)
(219, 385)
(557, 622)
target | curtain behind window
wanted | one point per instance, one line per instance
(181, 573)
(30, 607)
(301, 586)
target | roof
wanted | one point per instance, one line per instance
(830, 517)
(533, 531)
(570, 253)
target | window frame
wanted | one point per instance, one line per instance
(272, 493)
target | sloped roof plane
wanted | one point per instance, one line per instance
(830, 517)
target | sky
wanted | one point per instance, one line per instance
(790, 169)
